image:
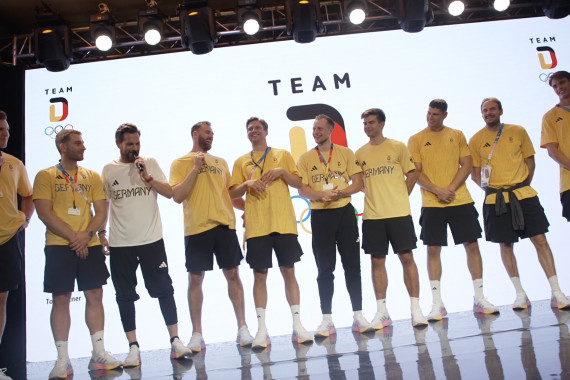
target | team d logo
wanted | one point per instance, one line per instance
(547, 57)
(58, 110)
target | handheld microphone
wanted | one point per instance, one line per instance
(139, 166)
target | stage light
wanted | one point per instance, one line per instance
(52, 42)
(355, 10)
(197, 27)
(151, 25)
(303, 19)
(102, 29)
(456, 8)
(249, 16)
(556, 8)
(501, 5)
(414, 15)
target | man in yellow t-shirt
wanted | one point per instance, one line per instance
(13, 182)
(503, 165)
(330, 175)
(200, 182)
(63, 196)
(389, 177)
(443, 160)
(264, 175)
(555, 136)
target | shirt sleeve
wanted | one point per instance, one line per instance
(42, 186)
(176, 173)
(302, 168)
(414, 149)
(352, 166)
(237, 175)
(526, 145)
(24, 185)
(474, 153)
(98, 192)
(548, 132)
(463, 148)
(406, 161)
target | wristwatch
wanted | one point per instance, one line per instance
(91, 233)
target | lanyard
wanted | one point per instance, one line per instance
(495, 143)
(256, 164)
(322, 160)
(564, 108)
(73, 182)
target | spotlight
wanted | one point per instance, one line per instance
(356, 11)
(555, 8)
(414, 15)
(501, 5)
(102, 31)
(303, 19)
(197, 27)
(151, 25)
(52, 42)
(456, 8)
(249, 16)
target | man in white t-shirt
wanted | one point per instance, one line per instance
(132, 185)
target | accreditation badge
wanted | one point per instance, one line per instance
(328, 186)
(73, 211)
(485, 175)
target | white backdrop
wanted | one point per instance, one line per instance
(164, 95)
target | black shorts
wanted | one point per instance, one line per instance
(154, 268)
(220, 241)
(259, 250)
(463, 222)
(10, 264)
(63, 267)
(377, 233)
(565, 200)
(499, 229)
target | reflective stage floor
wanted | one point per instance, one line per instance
(532, 344)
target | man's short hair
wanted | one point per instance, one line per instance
(197, 126)
(380, 115)
(329, 119)
(559, 75)
(63, 137)
(440, 104)
(125, 128)
(255, 118)
(492, 100)
(3, 115)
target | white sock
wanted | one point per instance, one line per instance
(478, 288)
(381, 306)
(327, 317)
(517, 283)
(61, 347)
(415, 304)
(553, 280)
(436, 292)
(296, 313)
(98, 343)
(260, 319)
(357, 314)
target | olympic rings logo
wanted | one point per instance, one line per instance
(543, 77)
(53, 131)
(306, 214)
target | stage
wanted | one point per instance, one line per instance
(530, 344)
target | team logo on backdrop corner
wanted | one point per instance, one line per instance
(58, 110)
(546, 55)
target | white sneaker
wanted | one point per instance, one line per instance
(559, 301)
(133, 359)
(178, 349)
(437, 312)
(261, 340)
(3, 375)
(103, 361)
(325, 329)
(380, 321)
(361, 325)
(418, 319)
(301, 336)
(485, 307)
(196, 343)
(62, 369)
(521, 302)
(244, 338)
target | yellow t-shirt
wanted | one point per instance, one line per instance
(315, 174)
(273, 210)
(51, 184)
(209, 204)
(383, 167)
(556, 129)
(13, 181)
(507, 162)
(439, 154)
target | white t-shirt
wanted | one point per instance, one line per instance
(134, 216)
